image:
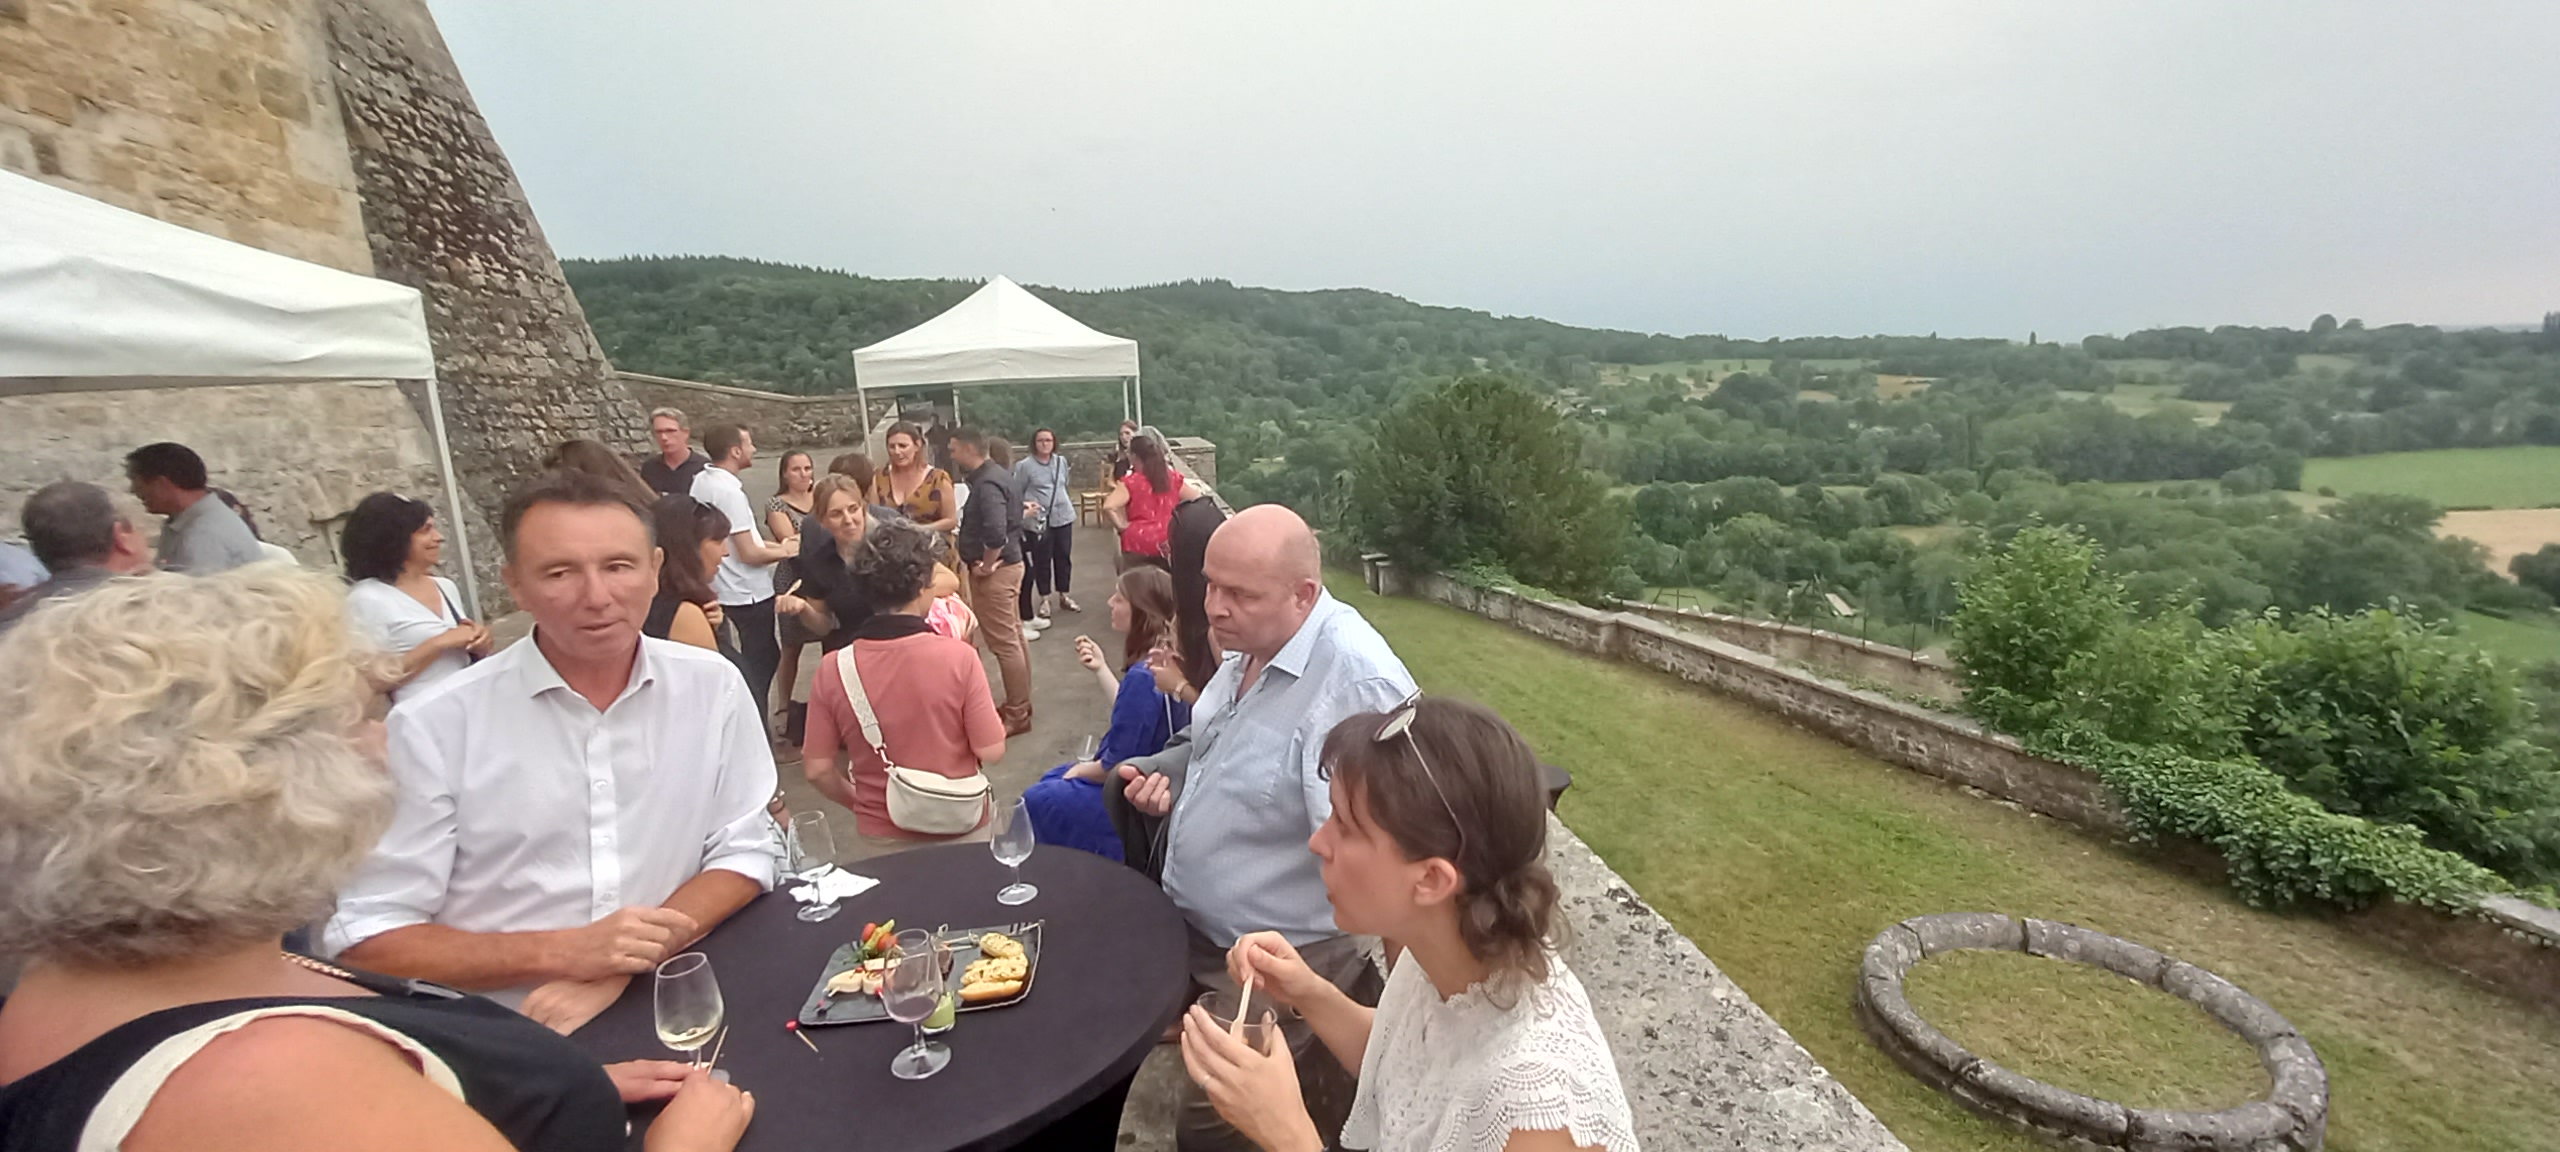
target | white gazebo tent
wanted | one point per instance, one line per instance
(93, 297)
(1001, 334)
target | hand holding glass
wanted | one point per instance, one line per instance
(1012, 845)
(918, 976)
(688, 1000)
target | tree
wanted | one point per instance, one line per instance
(2539, 570)
(1481, 470)
(2323, 325)
(2025, 613)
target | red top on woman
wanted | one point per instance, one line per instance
(1150, 513)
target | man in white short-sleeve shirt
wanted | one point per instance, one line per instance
(744, 582)
(577, 807)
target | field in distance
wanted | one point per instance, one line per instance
(2520, 476)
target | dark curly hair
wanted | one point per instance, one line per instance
(375, 541)
(1507, 907)
(894, 565)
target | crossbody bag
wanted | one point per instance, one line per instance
(925, 803)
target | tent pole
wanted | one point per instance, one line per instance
(956, 422)
(1139, 386)
(862, 415)
(453, 499)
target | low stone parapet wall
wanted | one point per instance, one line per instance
(1897, 669)
(779, 421)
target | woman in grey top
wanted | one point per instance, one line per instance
(1049, 524)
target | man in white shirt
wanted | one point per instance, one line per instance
(744, 582)
(577, 807)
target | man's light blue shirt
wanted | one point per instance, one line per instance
(1236, 857)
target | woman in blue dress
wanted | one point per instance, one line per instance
(1066, 805)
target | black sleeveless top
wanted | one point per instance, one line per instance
(662, 615)
(535, 1087)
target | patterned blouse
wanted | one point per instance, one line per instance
(932, 500)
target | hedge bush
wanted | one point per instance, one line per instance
(2283, 848)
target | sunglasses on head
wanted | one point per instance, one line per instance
(1400, 723)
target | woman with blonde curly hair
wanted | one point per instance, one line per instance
(186, 775)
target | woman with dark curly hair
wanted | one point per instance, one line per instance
(391, 547)
(926, 691)
(1482, 1038)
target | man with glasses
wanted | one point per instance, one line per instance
(1224, 816)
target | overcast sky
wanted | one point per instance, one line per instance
(1756, 169)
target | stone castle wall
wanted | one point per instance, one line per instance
(336, 131)
(443, 214)
(215, 114)
(219, 116)
(299, 455)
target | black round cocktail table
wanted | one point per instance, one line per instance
(1050, 1071)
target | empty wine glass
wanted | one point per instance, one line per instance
(1012, 845)
(1085, 749)
(911, 990)
(813, 854)
(689, 1007)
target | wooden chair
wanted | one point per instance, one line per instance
(1089, 508)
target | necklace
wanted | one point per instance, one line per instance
(325, 969)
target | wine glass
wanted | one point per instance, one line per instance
(911, 991)
(813, 854)
(1085, 749)
(689, 1008)
(1012, 845)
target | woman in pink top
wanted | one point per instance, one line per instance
(928, 690)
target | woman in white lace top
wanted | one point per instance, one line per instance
(1483, 1039)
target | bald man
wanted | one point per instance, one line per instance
(1226, 814)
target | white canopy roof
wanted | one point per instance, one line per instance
(1000, 334)
(90, 290)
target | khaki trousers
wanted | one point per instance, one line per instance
(1327, 1086)
(996, 599)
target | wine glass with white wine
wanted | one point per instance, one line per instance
(912, 989)
(1012, 845)
(689, 1008)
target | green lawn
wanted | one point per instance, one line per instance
(2163, 1051)
(2522, 476)
(2522, 640)
(1781, 853)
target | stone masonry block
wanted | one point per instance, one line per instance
(2253, 1127)
(2301, 1081)
(1954, 931)
(1890, 954)
(2078, 945)
(2046, 1106)
(1904, 1027)
(2223, 1000)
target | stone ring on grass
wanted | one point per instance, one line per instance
(2292, 1118)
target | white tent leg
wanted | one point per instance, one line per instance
(862, 413)
(956, 422)
(1139, 387)
(453, 500)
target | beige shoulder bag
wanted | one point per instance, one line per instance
(926, 803)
